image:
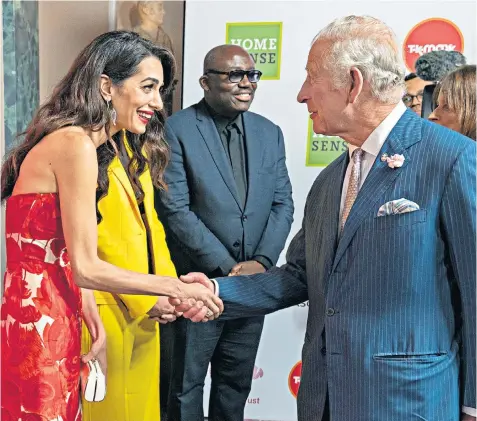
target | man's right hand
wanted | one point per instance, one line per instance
(199, 302)
(198, 313)
(198, 277)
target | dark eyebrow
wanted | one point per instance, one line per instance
(152, 79)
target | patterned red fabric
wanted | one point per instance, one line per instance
(40, 315)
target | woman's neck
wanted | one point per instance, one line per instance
(100, 137)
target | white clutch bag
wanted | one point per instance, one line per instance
(93, 381)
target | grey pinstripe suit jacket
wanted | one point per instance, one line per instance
(391, 328)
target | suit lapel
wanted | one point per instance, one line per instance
(334, 195)
(253, 147)
(147, 188)
(117, 168)
(379, 179)
(211, 137)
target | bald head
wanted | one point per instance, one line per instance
(225, 96)
(218, 56)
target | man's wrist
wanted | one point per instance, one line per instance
(225, 267)
(264, 261)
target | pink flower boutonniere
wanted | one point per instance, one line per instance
(394, 161)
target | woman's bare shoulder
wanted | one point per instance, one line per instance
(70, 142)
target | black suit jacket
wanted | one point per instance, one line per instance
(204, 221)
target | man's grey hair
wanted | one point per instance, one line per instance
(369, 45)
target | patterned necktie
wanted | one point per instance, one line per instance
(353, 185)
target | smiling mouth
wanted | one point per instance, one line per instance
(144, 116)
(244, 97)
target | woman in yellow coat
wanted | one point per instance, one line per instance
(131, 236)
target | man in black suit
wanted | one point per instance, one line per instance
(228, 210)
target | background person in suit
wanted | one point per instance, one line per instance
(228, 209)
(388, 227)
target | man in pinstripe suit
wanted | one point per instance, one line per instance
(388, 233)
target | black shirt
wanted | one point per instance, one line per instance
(233, 140)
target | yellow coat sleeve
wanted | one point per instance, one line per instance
(139, 305)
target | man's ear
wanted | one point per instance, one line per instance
(356, 84)
(204, 83)
(105, 87)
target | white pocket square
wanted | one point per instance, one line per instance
(397, 206)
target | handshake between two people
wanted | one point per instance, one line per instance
(197, 302)
(200, 302)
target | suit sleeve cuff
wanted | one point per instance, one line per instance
(264, 261)
(226, 266)
(216, 286)
(469, 411)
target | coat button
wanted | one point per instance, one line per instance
(244, 218)
(323, 351)
(236, 244)
(330, 312)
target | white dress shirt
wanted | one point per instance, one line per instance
(371, 148)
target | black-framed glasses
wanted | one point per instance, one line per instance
(236, 76)
(408, 98)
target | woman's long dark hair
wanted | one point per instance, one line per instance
(77, 101)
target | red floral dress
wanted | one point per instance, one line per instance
(40, 316)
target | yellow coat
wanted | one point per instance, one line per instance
(132, 339)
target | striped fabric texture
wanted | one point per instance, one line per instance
(391, 329)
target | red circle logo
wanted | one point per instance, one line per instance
(294, 379)
(431, 35)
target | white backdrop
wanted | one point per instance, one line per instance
(205, 25)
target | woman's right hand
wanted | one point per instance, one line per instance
(197, 295)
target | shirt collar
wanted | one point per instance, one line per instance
(373, 144)
(222, 122)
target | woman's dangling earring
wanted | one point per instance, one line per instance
(112, 112)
